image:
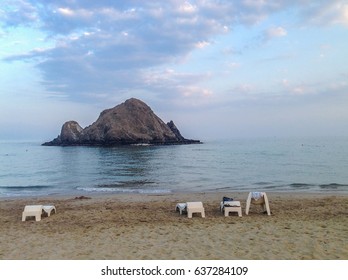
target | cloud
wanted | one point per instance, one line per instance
(275, 32)
(18, 13)
(326, 12)
(172, 85)
(104, 47)
(36, 53)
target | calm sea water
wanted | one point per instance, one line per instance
(307, 165)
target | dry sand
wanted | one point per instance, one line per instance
(302, 226)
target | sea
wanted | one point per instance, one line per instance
(28, 169)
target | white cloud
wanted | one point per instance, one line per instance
(187, 7)
(285, 82)
(326, 12)
(233, 65)
(66, 11)
(275, 32)
(202, 44)
(18, 13)
(341, 9)
(255, 3)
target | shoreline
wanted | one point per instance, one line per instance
(146, 226)
(178, 193)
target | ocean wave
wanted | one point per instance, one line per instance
(306, 187)
(25, 191)
(123, 190)
(301, 185)
(333, 186)
(262, 183)
(29, 187)
(127, 184)
(135, 186)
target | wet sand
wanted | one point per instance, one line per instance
(136, 227)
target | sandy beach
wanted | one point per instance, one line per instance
(135, 227)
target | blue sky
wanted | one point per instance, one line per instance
(219, 69)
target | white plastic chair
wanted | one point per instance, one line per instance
(32, 210)
(195, 207)
(231, 206)
(36, 211)
(258, 198)
(48, 209)
(181, 207)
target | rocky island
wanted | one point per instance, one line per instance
(130, 123)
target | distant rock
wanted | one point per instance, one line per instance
(71, 132)
(132, 122)
(176, 131)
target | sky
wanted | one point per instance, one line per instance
(218, 69)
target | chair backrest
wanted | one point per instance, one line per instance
(257, 195)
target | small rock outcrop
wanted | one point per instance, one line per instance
(132, 122)
(176, 131)
(71, 132)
